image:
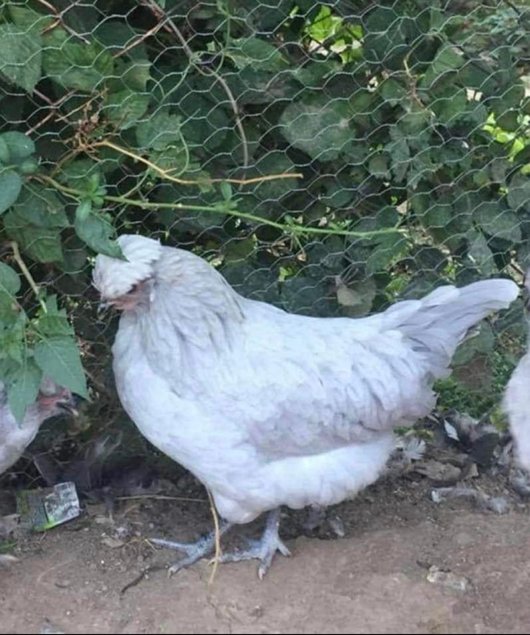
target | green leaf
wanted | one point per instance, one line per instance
(302, 294)
(437, 215)
(238, 250)
(519, 192)
(393, 92)
(29, 166)
(12, 340)
(226, 191)
(523, 254)
(274, 162)
(258, 54)
(509, 120)
(58, 358)
(135, 75)
(254, 87)
(480, 253)
(384, 40)
(83, 210)
(125, 107)
(399, 153)
(83, 67)
(314, 74)
(378, 166)
(35, 222)
(42, 207)
(159, 131)
(415, 121)
(29, 20)
(54, 325)
(9, 284)
(54, 322)
(447, 60)
(320, 127)
(4, 151)
(511, 97)
(269, 15)
(98, 234)
(115, 35)
(41, 244)
(81, 174)
(357, 298)
(480, 343)
(388, 251)
(24, 388)
(449, 109)
(20, 56)
(497, 221)
(175, 160)
(497, 170)
(338, 192)
(10, 186)
(324, 25)
(427, 258)
(204, 123)
(20, 145)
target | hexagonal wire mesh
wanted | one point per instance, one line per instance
(329, 157)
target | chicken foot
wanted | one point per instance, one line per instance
(262, 550)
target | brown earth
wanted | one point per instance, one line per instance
(405, 565)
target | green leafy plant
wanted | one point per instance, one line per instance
(330, 157)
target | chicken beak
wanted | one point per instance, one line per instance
(70, 405)
(103, 307)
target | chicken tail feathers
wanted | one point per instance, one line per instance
(436, 324)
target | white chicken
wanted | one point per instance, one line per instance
(16, 436)
(265, 407)
(516, 404)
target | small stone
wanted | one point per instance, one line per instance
(257, 612)
(437, 471)
(448, 579)
(50, 629)
(337, 526)
(63, 584)
(112, 543)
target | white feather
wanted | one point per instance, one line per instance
(16, 436)
(516, 405)
(269, 408)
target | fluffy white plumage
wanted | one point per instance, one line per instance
(516, 404)
(16, 436)
(269, 408)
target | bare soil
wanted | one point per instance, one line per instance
(404, 565)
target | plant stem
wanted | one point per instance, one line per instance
(26, 273)
(167, 176)
(288, 228)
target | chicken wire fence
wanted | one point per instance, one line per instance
(328, 157)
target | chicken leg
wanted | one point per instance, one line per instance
(194, 551)
(263, 549)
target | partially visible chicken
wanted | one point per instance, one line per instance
(268, 408)
(14, 436)
(516, 404)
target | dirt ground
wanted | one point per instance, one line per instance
(404, 565)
